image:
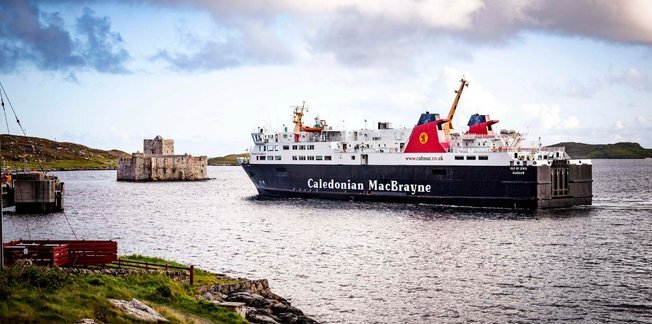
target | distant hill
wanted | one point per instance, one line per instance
(623, 150)
(230, 159)
(52, 155)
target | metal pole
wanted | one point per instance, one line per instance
(2, 216)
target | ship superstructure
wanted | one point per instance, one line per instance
(430, 163)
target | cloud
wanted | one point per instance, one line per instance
(29, 35)
(250, 45)
(619, 125)
(548, 118)
(375, 32)
(640, 121)
(575, 88)
(633, 78)
(102, 48)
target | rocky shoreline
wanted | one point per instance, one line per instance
(251, 299)
(254, 300)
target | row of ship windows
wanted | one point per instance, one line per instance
(269, 158)
(295, 158)
(312, 158)
(471, 157)
(271, 148)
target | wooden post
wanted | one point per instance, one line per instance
(192, 274)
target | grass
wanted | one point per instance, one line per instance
(98, 163)
(44, 153)
(202, 277)
(621, 150)
(230, 159)
(41, 294)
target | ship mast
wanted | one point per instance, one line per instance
(449, 124)
(298, 115)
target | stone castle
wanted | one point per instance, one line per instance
(158, 163)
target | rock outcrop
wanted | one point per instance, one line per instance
(138, 310)
(261, 304)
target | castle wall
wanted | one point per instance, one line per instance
(179, 167)
(141, 167)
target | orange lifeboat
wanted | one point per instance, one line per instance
(312, 129)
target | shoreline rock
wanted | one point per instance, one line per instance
(135, 308)
(261, 304)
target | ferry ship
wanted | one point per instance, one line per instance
(429, 163)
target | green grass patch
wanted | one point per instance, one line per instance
(202, 277)
(41, 294)
(230, 159)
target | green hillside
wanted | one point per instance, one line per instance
(230, 159)
(623, 150)
(44, 153)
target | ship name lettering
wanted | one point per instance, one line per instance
(332, 184)
(395, 186)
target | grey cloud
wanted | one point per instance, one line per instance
(29, 35)
(213, 55)
(102, 48)
(253, 45)
(348, 37)
(359, 33)
(358, 38)
(614, 21)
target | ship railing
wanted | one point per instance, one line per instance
(478, 136)
(508, 149)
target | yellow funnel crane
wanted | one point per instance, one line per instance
(449, 124)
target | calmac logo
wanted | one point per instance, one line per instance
(423, 138)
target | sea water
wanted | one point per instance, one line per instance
(343, 261)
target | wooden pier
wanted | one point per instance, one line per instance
(32, 192)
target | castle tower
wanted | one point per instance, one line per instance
(158, 146)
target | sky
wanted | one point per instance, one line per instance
(206, 73)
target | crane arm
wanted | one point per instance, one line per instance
(449, 125)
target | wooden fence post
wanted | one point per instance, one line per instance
(192, 274)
